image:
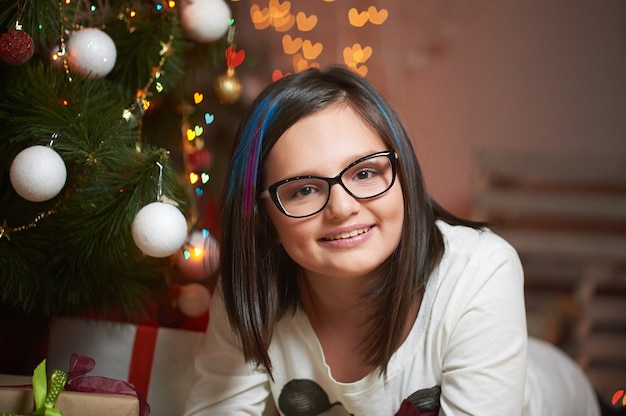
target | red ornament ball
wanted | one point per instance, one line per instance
(16, 47)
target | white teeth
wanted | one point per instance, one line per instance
(349, 234)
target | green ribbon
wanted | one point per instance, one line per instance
(45, 396)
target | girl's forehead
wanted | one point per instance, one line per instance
(322, 143)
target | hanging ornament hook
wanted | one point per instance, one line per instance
(230, 35)
(52, 139)
(18, 25)
(160, 182)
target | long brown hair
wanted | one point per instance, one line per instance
(258, 278)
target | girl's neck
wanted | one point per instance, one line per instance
(338, 312)
(328, 299)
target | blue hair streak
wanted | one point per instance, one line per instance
(378, 101)
(247, 155)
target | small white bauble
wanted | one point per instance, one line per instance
(194, 300)
(91, 52)
(200, 256)
(205, 21)
(38, 173)
(159, 229)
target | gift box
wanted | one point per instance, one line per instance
(70, 403)
(40, 395)
(158, 362)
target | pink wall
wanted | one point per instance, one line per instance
(468, 76)
(525, 75)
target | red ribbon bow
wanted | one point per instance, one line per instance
(77, 381)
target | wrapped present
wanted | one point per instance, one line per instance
(69, 394)
(158, 362)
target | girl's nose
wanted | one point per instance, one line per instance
(341, 203)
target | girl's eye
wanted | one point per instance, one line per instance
(365, 174)
(303, 192)
(299, 190)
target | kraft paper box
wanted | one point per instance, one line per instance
(157, 361)
(20, 400)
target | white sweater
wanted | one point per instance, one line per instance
(468, 353)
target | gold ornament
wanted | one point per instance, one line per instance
(227, 87)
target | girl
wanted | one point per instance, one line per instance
(346, 290)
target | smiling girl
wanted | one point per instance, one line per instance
(345, 289)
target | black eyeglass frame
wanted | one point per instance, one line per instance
(271, 190)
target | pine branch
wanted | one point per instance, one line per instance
(86, 243)
(75, 254)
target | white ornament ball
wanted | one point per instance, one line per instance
(205, 21)
(199, 258)
(159, 229)
(91, 52)
(194, 300)
(38, 173)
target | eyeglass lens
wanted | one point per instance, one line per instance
(366, 179)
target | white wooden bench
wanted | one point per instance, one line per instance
(566, 216)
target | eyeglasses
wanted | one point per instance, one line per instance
(304, 196)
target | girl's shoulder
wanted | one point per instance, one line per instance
(471, 241)
(471, 258)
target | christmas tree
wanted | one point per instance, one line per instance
(92, 192)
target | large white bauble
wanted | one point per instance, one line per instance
(38, 173)
(205, 21)
(91, 52)
(194, 300)
(159, 229)
(200, 257)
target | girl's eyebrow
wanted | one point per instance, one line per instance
(304, 173)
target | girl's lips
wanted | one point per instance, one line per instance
(347, 234)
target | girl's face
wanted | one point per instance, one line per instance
(349, 237)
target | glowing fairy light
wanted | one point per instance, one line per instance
(194, 254)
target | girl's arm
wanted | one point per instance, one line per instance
(484, 363)
(226, 384)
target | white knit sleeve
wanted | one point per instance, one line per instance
(226, 384)
(484, 357)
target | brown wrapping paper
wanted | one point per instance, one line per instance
(70, 403)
